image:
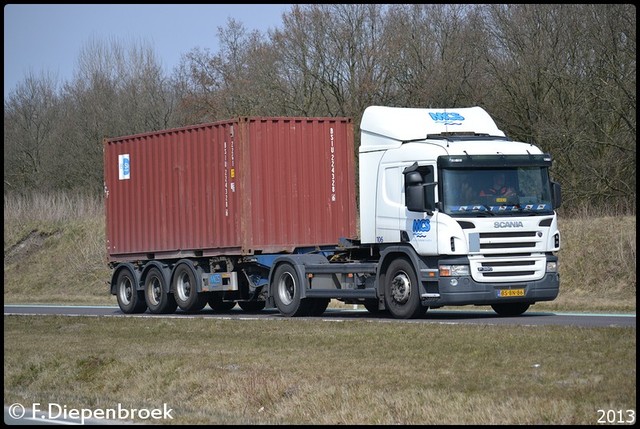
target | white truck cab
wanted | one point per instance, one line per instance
(477, 209)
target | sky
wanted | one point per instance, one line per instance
(49, 37)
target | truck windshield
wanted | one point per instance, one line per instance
(496, 191)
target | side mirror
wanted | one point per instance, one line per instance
(419, 196)
(414, 196)
(412, 178)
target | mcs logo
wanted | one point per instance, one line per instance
(421, 227)
(447, 118)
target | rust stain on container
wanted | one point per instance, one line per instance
(245, 186)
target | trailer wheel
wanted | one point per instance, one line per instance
(130, 300)
(252, 306)
(286, 292)
(217, 304)
(158, 299)
(401, 292)
(318, 306)
(184, 287)
(511, 309)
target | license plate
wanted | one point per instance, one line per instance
(510, 292)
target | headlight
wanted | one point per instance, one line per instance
(454, 270)
(552, 266)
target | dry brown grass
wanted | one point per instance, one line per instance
(286, 371)
(597, 264)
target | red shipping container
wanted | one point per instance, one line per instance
(240, 187)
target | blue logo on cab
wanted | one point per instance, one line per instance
(421, 227)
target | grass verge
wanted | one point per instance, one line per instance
(312, 372)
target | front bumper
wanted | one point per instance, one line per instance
(466, 291)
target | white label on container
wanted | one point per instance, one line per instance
(124, 167)
(226, 181)
(333, 165)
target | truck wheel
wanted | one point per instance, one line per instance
(372, 306)
(130, 300)
(401, 292)
(184, 288)
(217, 304)
(512, 309)
(318, 306)
(252, 306)
(158, 299)
(286, 292)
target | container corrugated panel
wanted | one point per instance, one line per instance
(246, 186)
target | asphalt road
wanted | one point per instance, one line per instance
(443, 316)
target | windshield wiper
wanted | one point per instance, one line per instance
(488, 211)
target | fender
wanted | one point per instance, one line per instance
(164, 269)
(298, 262)
(132, 269)
(386, 258)
(197, 273)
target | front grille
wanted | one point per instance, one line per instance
(524, 240)
(507, 268)
(509, 274)
(510, 234)
(508, 263)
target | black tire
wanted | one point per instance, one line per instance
(156, 296)
(286, 292)
(184, 287)
(372, 306)
(318, 306)
(130, 300)
(252, 306)
(218, 305)
(401, 292)
(510, 309)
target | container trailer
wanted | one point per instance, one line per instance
(262, 212)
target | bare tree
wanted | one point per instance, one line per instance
(330, 57)
(118, 89)
(437, 52)
(240, 79)
(30, 115)
(565, 78)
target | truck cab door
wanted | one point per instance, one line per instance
(389, 203)
(419, 227)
